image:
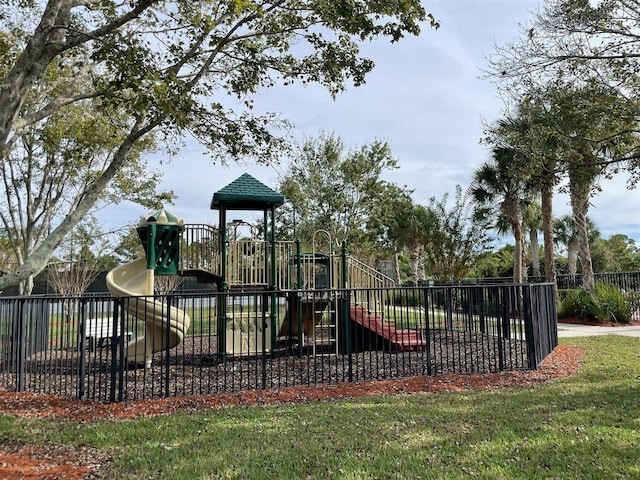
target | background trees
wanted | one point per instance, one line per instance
(577, 63)
(455, 240)
(329, 187)
(154, 70)
(618, 253)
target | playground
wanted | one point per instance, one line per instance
(275, 316)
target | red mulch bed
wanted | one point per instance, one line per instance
(61, 462)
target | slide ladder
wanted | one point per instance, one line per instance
(325, 331)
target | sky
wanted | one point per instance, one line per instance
(425, 97)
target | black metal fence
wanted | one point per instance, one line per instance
(85, 346)
(628, 281)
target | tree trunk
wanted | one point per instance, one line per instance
(572, 256)
(396, 261)
(47, 42)
(518, 233)
(580, 181)
(580, 207)
(26, 286)
(535, 252)
(416, 256)
(513, 212)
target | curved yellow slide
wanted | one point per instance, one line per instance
(130, 280)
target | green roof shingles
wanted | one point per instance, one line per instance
(246, 193)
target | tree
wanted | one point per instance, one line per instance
(7, 258)
(501, 187)
(455, 240)
(48, 168)
(393, 225)
(587, 125)
(167, 67)
(71, 278)
(618, 253)
(566, 234)
(79, 260)
(130, 246)
(331, 188)
(595, 125)
(166, 284)
(585, 55)
(533, 224)
(581, 38)
(523, 129)
(495, 264)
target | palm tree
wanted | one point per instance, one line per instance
(566, 233)
(499, 187)
(524, 130)
(594, 124)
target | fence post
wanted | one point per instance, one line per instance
(21, 336)
(504, 317)
(346, 303)
(120, 360)
(82, 327)
(265, 303)
(425, 303)
(167, 353)
(481, 313)
(116, 368)
(298, 298)
(529, 330)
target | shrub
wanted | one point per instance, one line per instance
(607, 304)
(612, 303)
(577, 303)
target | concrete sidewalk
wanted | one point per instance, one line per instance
(571, 330)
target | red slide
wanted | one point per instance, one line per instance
(401, 339)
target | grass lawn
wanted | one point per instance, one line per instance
(586, 426)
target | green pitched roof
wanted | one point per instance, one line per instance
(246, 193)
(162, 217)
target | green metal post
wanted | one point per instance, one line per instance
(274, 271)
(151, 246)
(299, 295)
(345, 311)
(222, 299)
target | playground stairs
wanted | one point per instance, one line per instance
(401, 339)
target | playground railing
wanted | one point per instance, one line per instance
(200, 248)
(272, 340)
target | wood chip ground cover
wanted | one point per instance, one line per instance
(62, 462)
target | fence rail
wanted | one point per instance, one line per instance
(274, 339)
(629, 281)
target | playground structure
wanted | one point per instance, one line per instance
(295, 297)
